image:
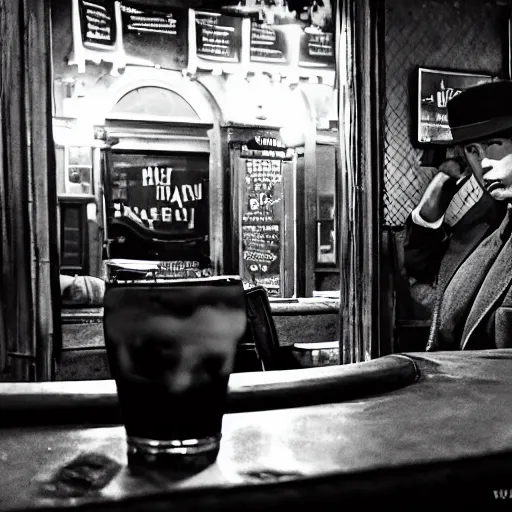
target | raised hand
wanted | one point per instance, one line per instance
(457, 170)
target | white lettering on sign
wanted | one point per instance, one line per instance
(442, 118)
(163, 214)
(177, 265)
(166, 214)
(268, 142)
(156, 176)
(179, 199)
(161, 179)
(445, 94)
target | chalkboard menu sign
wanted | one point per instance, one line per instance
(261, 224)
(218, 36)
(268, 44)
(154, 36)
(98, 23)
(317, 49)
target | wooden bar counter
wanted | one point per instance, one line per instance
(412, 429)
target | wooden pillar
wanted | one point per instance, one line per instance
(360, 177)
(29, 296)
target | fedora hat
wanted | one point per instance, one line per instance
(480, 111)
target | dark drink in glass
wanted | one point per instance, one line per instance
(171, 347)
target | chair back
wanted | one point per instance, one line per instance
(261, 330)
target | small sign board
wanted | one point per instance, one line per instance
(218, 36)
(155, 37)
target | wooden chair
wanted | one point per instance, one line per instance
(409, 320)
(261, 335)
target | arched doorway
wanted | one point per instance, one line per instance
(153, 101)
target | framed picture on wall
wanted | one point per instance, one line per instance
(435, 88)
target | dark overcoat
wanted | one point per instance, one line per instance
(435, 255)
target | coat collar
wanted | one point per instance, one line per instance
(495, 284)
(480, 220)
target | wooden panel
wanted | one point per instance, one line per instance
(327, 206)
(289, 241)
(302, 288)
(43, 226)
(309, 209)
(17, 304)
(361, 172)
(234, 172)
(217, 201)
(29, 241)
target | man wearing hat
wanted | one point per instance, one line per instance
(434, 229)
(473, 308)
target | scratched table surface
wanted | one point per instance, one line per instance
(448, 432)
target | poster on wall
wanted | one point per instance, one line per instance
(435, 89)
(154, 37)
(262, 218)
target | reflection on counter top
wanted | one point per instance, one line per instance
(444, 436)
(328, 294)
(305, 306)
(325, 353)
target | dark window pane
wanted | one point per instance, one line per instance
(72, 238)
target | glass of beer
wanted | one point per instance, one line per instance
(171, 347)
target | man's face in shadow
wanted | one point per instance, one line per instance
(180, 351)
(491, 163)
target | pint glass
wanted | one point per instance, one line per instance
(171, 348)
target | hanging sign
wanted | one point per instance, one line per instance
(98, 23)
(155, 37)
(317, 49)
(268, 44)
(218, 36)
(97, 34)
(317, 41)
